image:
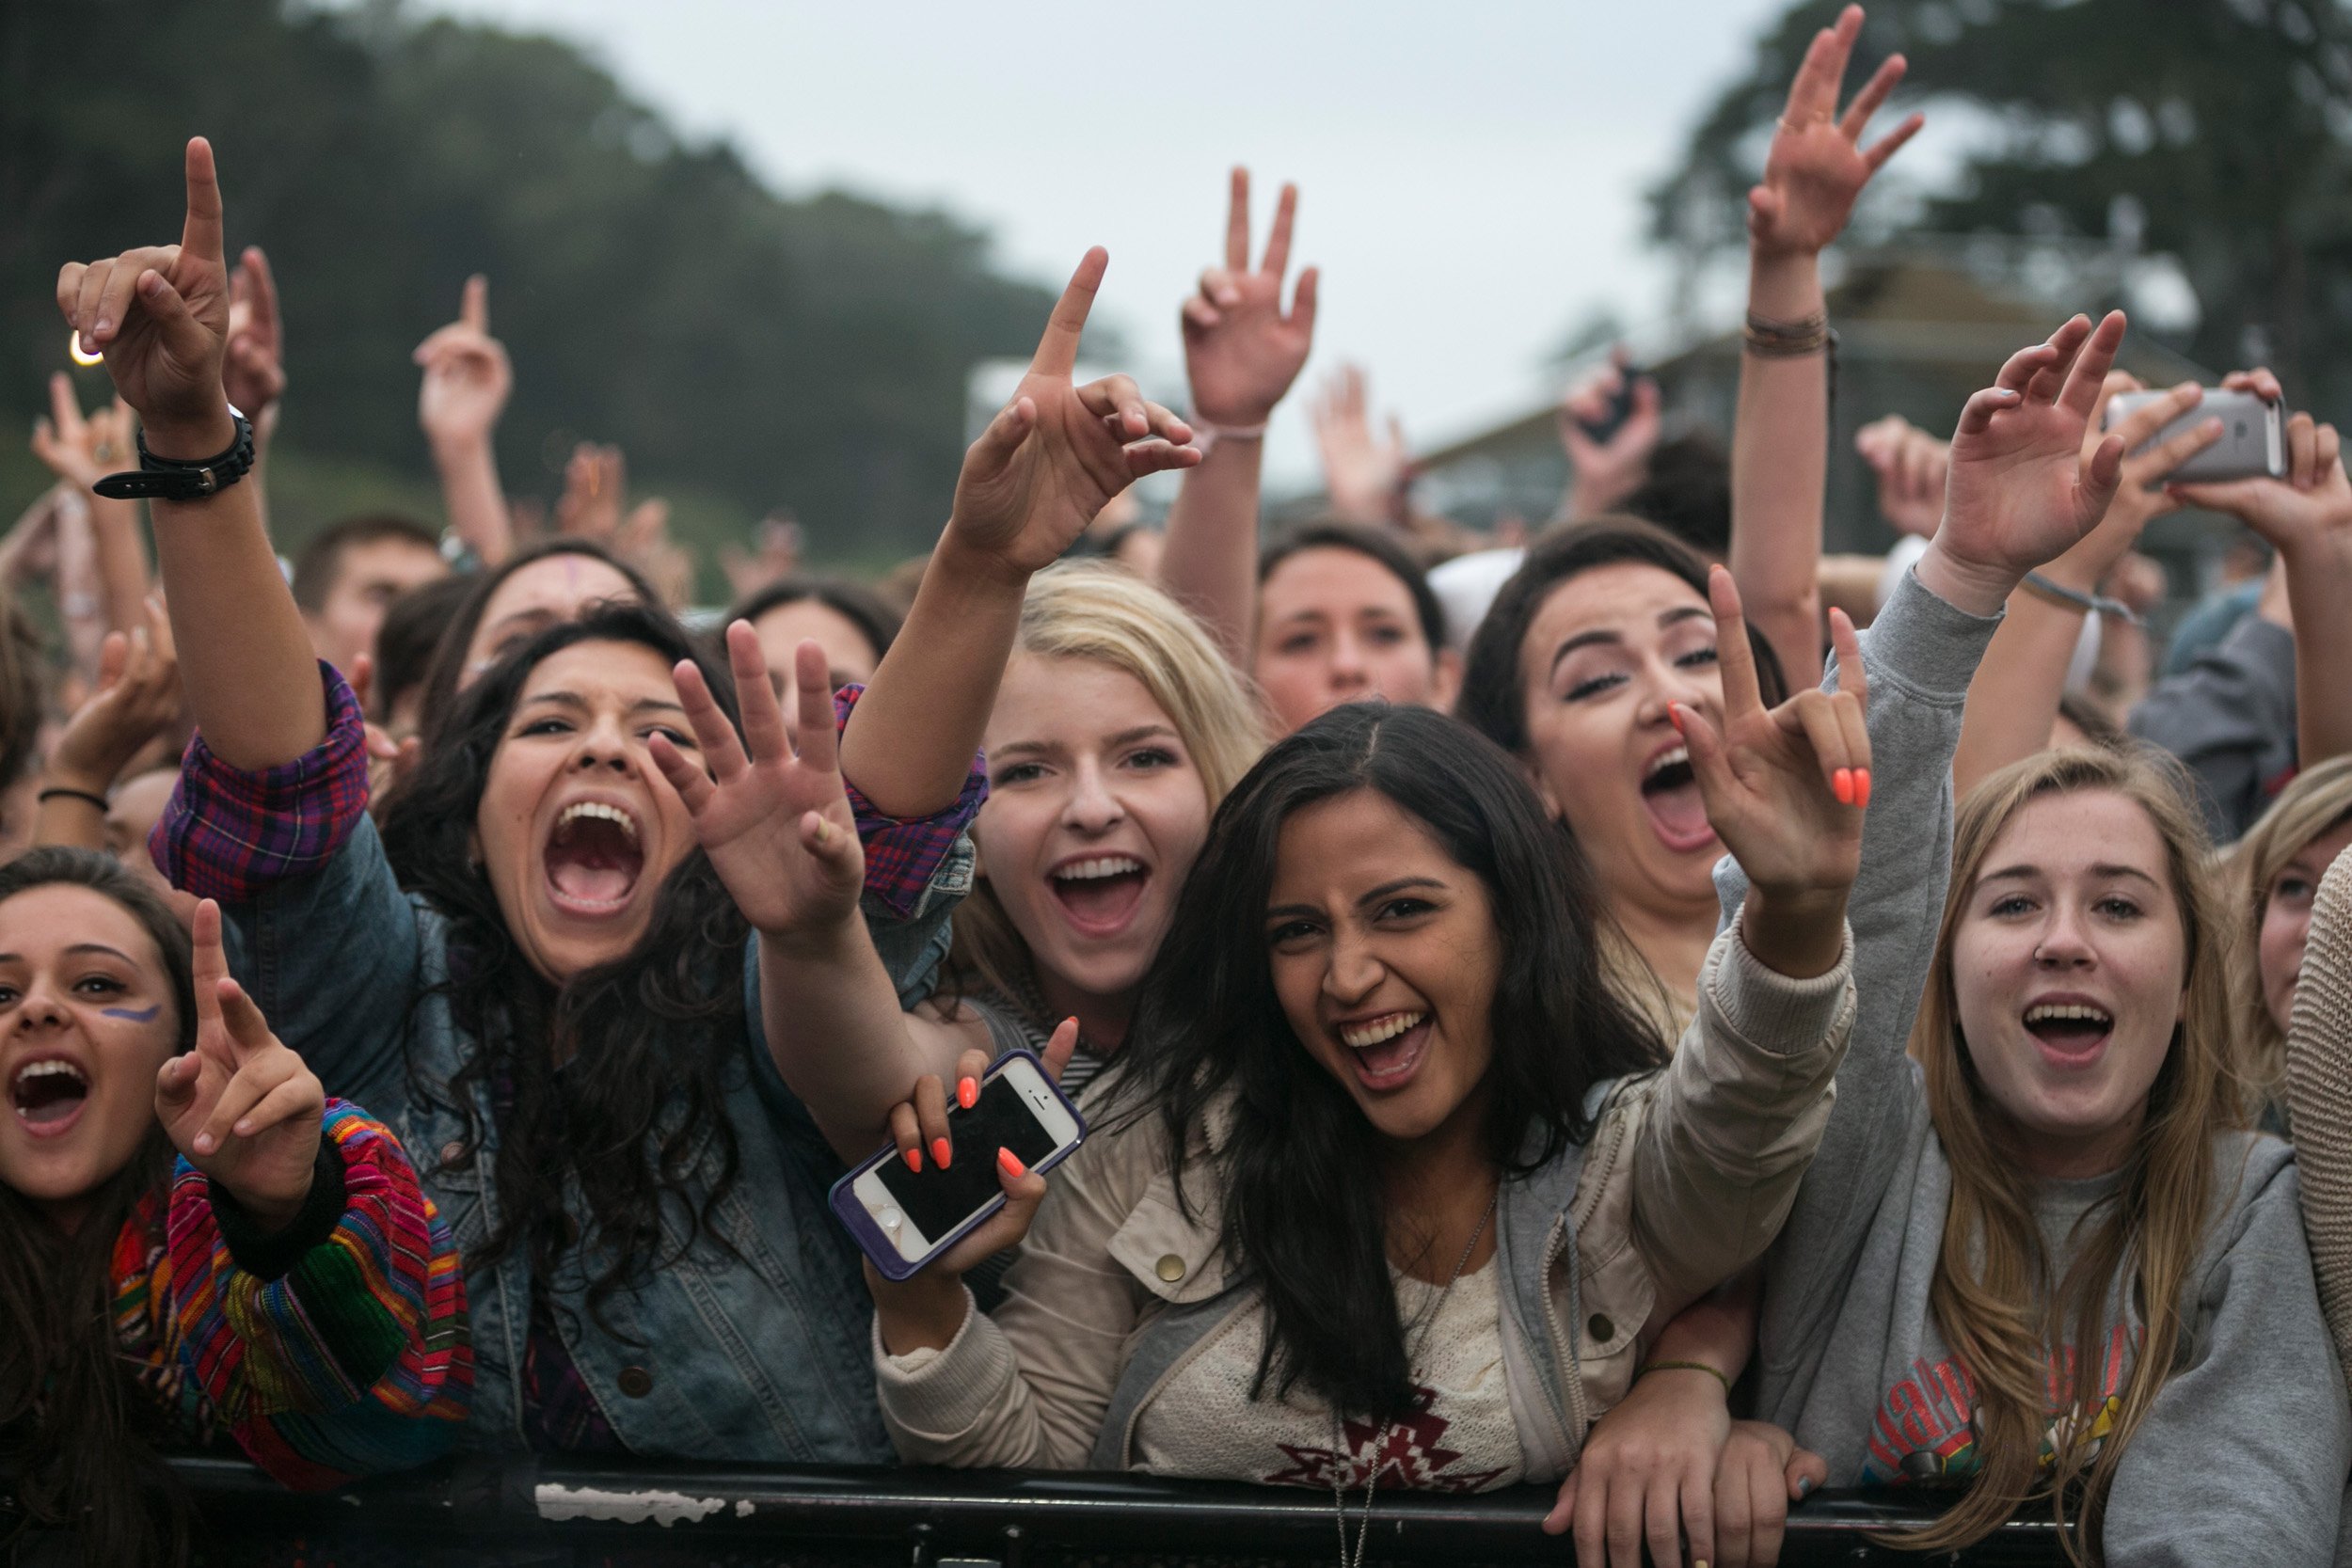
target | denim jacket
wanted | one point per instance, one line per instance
(761, 1357)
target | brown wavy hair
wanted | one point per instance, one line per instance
(1993, 1294)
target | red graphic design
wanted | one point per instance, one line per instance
(1408, 1458)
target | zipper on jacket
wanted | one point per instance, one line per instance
(1562, 1342)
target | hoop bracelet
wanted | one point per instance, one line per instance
(1225, 432)
(60, 792)
(1686, 1367)
(1772, 340)
(2068, 598)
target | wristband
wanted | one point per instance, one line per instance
(1686, 1367)
(1773, 339)
(59, 792)
(1206, 435)
(2068, 599)
(170, 478)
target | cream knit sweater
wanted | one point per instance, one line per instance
(2319, 1097)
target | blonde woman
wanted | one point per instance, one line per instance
(2072, 1277)
(2276, 870)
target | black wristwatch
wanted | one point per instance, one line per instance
(169, 479)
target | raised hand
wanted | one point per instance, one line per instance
(467, 376)
(1609, 471)
(241, 1106)
(1363, 477)
(253, 372)
(2025, 486)
(2311, 508)
(160, 315)
(777, 827)
(1911, 465)
(136, 700)
(2138, 498)
(1058, 452)
(1784, 787)
(1817, 165)
(82, 451)
(1242, 352)
(595, 482)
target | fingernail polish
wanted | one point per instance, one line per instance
(914, 1160)
(1841, 786)
(967, 1092)
(1011, 1162)
(1674, 717)
(941, 1152)
(1805, 1487)
(1862, 787)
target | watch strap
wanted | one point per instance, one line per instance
(172, 479)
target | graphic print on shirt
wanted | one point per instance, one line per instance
(1412, 1456)
(1925, 1431)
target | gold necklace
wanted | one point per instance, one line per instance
(1339, 1430)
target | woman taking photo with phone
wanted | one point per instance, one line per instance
(283, 1283)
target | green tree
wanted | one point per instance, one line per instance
(2219, 132)
(755, 350)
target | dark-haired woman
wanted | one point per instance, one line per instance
(1344, 614)
(852, 623)
(543, 965)
(284, 1282)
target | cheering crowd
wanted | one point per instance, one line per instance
(1648, 1010)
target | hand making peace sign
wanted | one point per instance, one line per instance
(1058, 453)
(1241, 351)
(1817, 165)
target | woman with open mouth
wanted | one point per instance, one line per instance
(544, 966)
(285, 1282)
(2064, 1275)
(1434, 1186)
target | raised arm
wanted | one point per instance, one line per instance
(2014, 699)
(82, 451)
(1242, 353)
(136, 700)
(2307, 517)
(253, 366)
(1815, 168)
(779, 831)
(160, 315)
(465, 388)
(1030, 484)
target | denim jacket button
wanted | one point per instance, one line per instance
(1170, 1268)
(453, 1155)
(636, 1382)
(1601, 1328)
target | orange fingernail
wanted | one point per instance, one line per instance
(914, 1160)
(1862, 787)
(1841, 786)
(941, 1152)
(1011, 1162)
(1674, 714)
(967, 1092)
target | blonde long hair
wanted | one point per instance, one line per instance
(2318, 800)
(1992, 1294)
(1101, 612)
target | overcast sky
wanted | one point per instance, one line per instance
(1469, 174)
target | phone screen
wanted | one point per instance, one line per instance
(938, 1200)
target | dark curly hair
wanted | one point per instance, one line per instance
(648, 1042)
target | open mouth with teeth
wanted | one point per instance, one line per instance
(1386, 1051)
(49, 1095)
(1670, 793)
(593, 859)
(2070, 1033)
(1098, 893)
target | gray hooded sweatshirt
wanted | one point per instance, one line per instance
(2243, 1455)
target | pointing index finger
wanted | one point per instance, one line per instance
(1237, 223)
(1734, 657)
(201, 235)
(475, 310)
(1057, 350)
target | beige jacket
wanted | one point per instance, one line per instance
(1686, 1180)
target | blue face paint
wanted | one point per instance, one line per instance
(135, 1015)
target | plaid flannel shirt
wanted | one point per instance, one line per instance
(229, 834)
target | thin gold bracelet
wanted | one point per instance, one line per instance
(1686, 1367)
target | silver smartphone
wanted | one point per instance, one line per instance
(2254, 442)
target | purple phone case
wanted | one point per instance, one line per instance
(884, 1252)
